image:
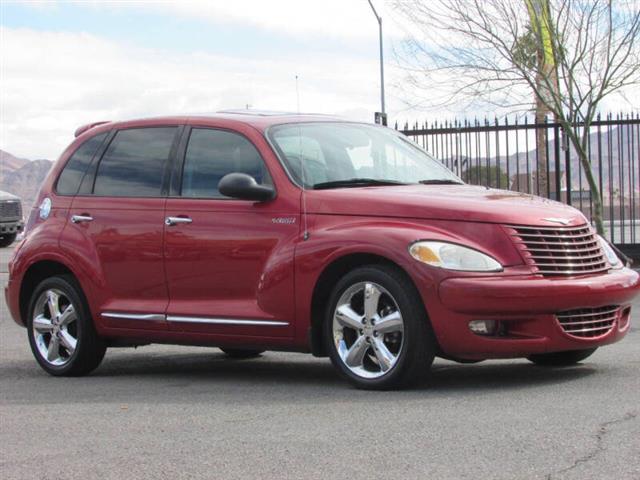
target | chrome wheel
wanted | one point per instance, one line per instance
(55, 327)
(368, 330)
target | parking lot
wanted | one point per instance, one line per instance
(187, 412)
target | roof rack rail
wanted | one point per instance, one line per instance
(269, 113)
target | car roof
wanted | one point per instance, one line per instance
(260, 119)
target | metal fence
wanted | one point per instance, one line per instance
(504, 155)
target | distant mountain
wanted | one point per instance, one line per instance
(614, 149)
(22, 177)
(9, 163)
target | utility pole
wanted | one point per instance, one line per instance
(381, 117)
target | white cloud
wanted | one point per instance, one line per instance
(336, 18)
(52, 82)
(340, 18)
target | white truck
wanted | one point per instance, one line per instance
(11, 222)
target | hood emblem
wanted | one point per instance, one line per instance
(563, 221)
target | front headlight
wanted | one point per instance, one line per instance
(453, 257)
(612, 258)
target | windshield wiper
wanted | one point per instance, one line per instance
(355, 182)
(440, 181)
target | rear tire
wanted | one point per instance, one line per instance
(6, 240)
(61, 332)
(561, 359)
(376, 329)
(241, 353)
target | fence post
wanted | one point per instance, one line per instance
(556, 153)
(567, 165)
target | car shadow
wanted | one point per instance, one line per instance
(138, 377)
(304, 371)
(503, 375)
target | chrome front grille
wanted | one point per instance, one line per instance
(588, 322)
(10, 210)
(557, 251)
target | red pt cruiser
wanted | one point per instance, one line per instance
(255, 232)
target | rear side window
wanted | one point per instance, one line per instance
(212, 154)
(72, 174)
(135, 162)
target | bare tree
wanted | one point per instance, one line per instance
(492, 51)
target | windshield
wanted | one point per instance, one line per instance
(336, 155)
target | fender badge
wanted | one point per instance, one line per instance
(284, 220)
(563, 221)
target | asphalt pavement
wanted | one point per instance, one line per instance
(190, 413)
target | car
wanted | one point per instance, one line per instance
(254, 231)
(11, 223)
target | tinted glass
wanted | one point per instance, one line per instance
(211, 154)
(70, 178)
(315, 153)
(134, 164)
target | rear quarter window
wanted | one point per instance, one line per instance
(69, 180)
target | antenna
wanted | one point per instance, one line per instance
(305, 234)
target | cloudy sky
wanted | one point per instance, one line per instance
(66, 63)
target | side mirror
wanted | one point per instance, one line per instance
(244, 187)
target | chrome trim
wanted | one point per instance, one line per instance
(570, 265)
(566, 229)
(563, 221)
(156, 317)
(226, 321)
(586, 330)
(588, 323)
(565, 258)
(610, 311)
(81, 218)
(566, 244)
(560, 250)
(171, 221)
(579, 236)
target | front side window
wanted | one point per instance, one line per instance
(135, 162)
(212, 154)
(333, 155)
(73, 172)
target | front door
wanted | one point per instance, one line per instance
(119, 223)
(229, 263)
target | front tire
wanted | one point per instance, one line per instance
(61, 333)
(376, 329)
(561, 359)
(6, 240)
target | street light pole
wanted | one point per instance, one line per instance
(379, 19)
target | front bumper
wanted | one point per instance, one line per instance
(526, 306)
(9, 228)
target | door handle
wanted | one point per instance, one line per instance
(171, 221)
(81, 218)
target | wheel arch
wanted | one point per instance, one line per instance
(328, 278)
(35, 274)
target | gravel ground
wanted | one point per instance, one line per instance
(187, 412)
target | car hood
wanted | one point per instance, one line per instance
(7, 196)
(443, 202)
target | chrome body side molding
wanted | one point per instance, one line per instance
(226, 321)
(156, 317)
(160, 317)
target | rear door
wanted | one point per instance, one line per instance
(117, 223)
(229, 262)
